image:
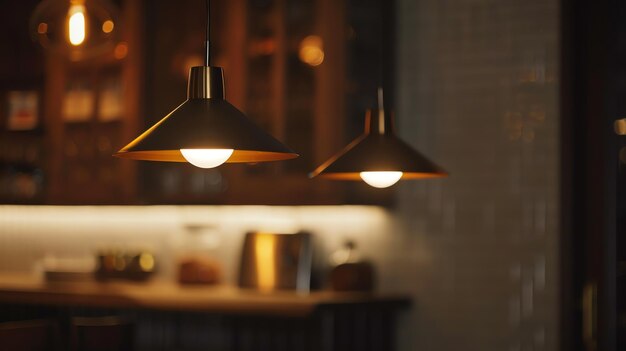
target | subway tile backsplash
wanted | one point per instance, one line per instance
(477, 91)
(28, 233)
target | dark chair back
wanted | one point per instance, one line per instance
(101, 334)
(30, 335)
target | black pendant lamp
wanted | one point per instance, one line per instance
(206, 130)
(378, 157)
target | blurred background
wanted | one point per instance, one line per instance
(517, 250)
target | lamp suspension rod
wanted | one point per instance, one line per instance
(380, 119)
(207, 57)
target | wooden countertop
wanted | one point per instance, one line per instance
(164, 295)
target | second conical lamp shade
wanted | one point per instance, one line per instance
(378, 149)
(206, 121)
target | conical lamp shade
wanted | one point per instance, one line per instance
(378, 150)
(206, 121)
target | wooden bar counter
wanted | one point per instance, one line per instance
(171, 296)
(168, 316)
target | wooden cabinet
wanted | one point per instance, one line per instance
(85, 109)
(303, 70)
(22, 149)
(93, 106)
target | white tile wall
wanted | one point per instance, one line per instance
(478, 92)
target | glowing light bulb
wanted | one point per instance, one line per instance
(76, 24)
(381, 179)
(206, 158)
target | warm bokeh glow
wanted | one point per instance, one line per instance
(312, 50)
(42, 28)
(76, 24)
(108, 26)
(146, 262)
(264, 250)
(620, 126)
(206, 158)
(381, 179)
(121, 50)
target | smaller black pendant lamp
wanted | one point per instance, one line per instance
(378, 157)
(206, 130)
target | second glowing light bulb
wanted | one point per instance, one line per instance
(206, 158)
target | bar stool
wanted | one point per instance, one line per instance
(109, 333)
(29, 335)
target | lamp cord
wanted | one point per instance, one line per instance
(207, 58)
(381, 74)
